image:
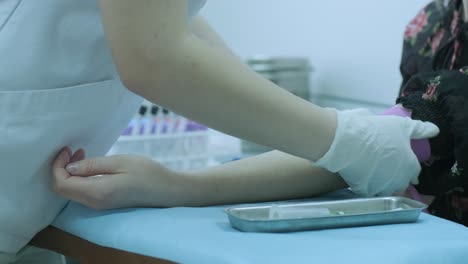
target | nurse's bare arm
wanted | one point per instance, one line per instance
(159, 57)
(203, 30)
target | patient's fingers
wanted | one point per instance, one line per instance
(95, 166)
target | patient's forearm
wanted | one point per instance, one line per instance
(161, 59)
(270, 176)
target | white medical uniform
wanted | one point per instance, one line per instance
(58, 87)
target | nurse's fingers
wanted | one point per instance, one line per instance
(422, 129)
(79, 155)
(67, 150)
(95, 166)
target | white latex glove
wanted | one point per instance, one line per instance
(372, 153)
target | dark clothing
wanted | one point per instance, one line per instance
(435, 88)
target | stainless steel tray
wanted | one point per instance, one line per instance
(321, 215)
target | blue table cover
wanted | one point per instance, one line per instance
(204, 235)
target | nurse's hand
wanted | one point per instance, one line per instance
(116, 181)
(373, 153)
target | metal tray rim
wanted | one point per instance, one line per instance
(229, 209)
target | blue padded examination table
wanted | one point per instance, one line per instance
(204, 235)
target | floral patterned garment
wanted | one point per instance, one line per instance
(435, 89)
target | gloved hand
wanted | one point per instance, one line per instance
(372, 153)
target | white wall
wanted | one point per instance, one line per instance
(354, 46)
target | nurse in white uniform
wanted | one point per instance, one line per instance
(59, 87)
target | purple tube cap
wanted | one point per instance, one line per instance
(421, 147)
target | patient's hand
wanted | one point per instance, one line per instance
(117, 181)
